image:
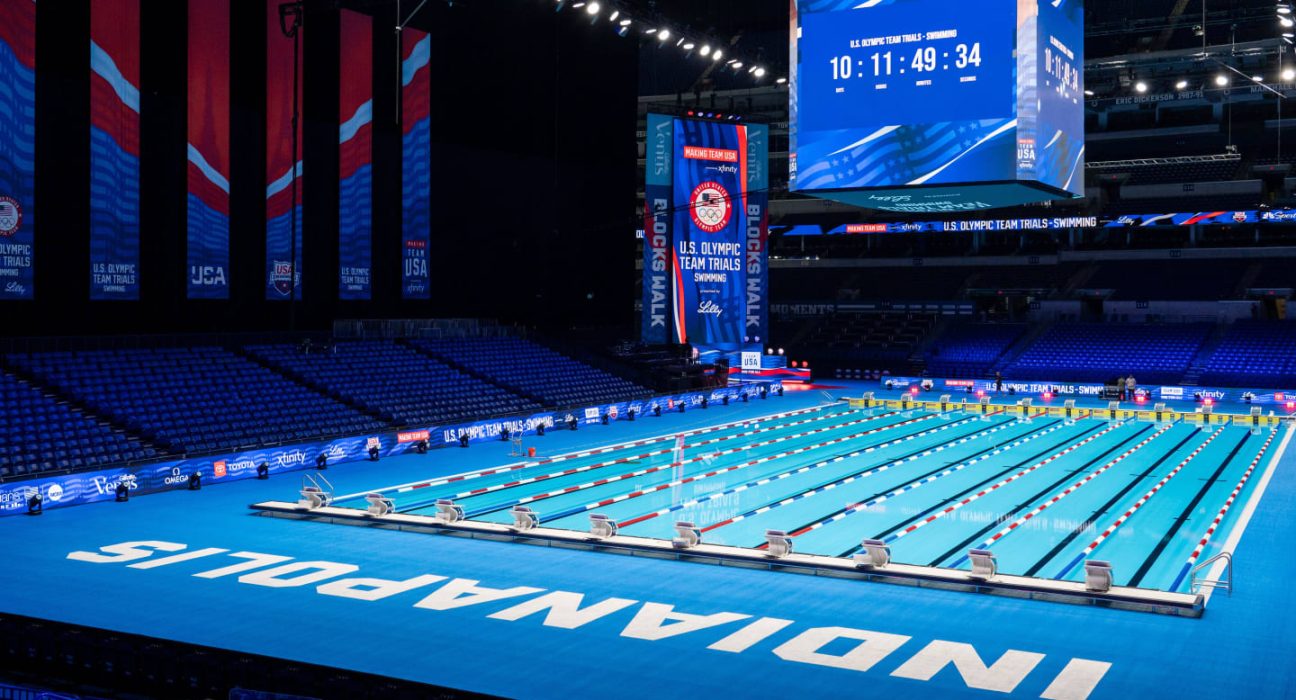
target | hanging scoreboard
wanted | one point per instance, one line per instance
(937, 105)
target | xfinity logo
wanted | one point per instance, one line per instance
(634, 622)
(288, 459)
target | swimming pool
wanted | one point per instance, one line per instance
(1042, 491)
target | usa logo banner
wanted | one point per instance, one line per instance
(209, 149)
(416, 163)
(283, 268)
(17, 148)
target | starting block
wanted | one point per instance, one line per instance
(1098, 576)
(876, 554)
(945, 403)
(602, 527)
(524, 518)
(983, 563)
(688, 535)
(780, 544)
(312, 497)
(380, 504)
(448, 511)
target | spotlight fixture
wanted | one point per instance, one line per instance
(717, 55)
(689, 46)
(263, 471)
(1140, 87)
(705, 50)
(1289, 74)
(463, 439)
(663, 34)
(1221, 80)
(1181, 84)
(760, 72)
(592, 8)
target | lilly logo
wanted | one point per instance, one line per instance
(709, 308)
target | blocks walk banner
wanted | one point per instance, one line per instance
(114, 149)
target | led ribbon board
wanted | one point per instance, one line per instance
(937, 105)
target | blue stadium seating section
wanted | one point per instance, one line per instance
(1254, 353)
(402, 385)
(969, 349)
(194, 400)
(533, 370)
(42, 433)
(1103, 351)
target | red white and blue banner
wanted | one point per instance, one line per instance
(1206, 218)
(416, 163)
(706, 235)
(208, 198)
(355, 158)
(17, 147)
(114, 149)
(283, 268)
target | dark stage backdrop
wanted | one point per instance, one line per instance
(531, 170)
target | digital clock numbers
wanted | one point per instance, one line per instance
(924, 60)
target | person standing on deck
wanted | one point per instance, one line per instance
(1130, 386)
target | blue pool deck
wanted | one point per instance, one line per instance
(658, 627)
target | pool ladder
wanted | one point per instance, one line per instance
(1226, 583)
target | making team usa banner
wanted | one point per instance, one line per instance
(17, 147)
(283, 268)
(207, 202)
(706, 235)
(416, 163)
(355, 158)
(114, 149)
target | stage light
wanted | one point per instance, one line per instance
(463, 440)
(1089, 93)
(1291, 405)
(1221, 80)
(263, 471)
(1286, 22)
(540, 428)
(630, 415)
(615, 14)
(1289, 74)
(1258, 78)
(1284, 10)
(35, 505)
(195, 481)
(657, 410)
(1140, 87)
(781, 81)
(321, 461)
(504, 434)
(737, 65)
(1209, 401)
(705, 403)
(705, 50)
(689, 46)
(572, 424)
(122, 492)
(1047, 396)
(592, 8)
(626, 22)
(913, 390)
(680, 41)
(421, 447)
(374, 454)
(1181, 84)
(717, 55)
(605, 418)
(663, 35)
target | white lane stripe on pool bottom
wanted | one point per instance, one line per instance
(1228, 503)
(950, 509)
(1048, 503)
(664, 450)
(712, 455)
(699, 477)
(922, 482)
(1235, 535)
(473, 474)
(1102, 537)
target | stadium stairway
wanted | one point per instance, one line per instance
(481, 376)
(1023, 344)
(1198, 364)
(308, 383)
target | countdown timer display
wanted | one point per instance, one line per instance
(937, 105)
(907, 63)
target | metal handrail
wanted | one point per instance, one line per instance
(1225, 583)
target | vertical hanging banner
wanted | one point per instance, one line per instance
(283, 268)
(17, 147)
(657, 297)
(114, 149)
(707, 260)
(208, 198)
(355, 157)
(416, 163)
(756, 236)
